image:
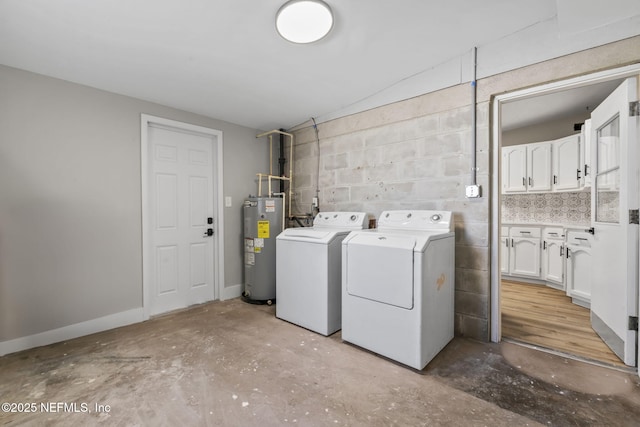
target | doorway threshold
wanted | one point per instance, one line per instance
(620, 368)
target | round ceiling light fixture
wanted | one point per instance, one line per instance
(304, 21)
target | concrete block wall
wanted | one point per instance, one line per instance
(418, 160)
(417, 154)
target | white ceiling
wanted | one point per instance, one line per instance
(557, 105)
(224, 58)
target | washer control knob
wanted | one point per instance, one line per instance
(354, 217)
(409, 215)
(436, 217)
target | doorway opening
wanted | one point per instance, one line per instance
(527, 304)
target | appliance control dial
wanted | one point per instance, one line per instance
(436, 217)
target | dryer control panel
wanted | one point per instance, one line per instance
(416, 220)
(350, 220)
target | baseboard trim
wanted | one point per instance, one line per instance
(230, 292)
(76, 330)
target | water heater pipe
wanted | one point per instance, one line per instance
(261, 176)
(290, 177)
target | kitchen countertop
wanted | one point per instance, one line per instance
(571, 227)
(546, 224)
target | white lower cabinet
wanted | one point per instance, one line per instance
(547, 255)
(553, 256)
(578, 259)
(505, 248)
(524, 254)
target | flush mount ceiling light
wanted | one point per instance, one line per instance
(304, 21)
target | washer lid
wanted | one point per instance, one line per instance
(308, 234)
(403, 239)
(384, 240)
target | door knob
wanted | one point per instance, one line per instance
(209, 232)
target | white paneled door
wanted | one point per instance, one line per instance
(614, 197)
(180, 218)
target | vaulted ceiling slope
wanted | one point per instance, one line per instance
(224, 58)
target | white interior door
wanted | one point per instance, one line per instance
(181, 211)
(614, 292)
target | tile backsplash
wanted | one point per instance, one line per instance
(547, 208)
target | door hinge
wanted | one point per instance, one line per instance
(634, 109)
(633, 323)
(634, 216)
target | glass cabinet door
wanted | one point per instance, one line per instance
(608, 172)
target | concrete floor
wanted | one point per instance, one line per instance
(234, 364)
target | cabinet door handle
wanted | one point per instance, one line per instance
(568, 250)
(530, 184)
(586, 169)
(578, 173)
(507, 240)
(524, 182)
(561, 250)
(544, 245)
(555, 179)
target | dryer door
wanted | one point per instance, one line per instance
(380, 268)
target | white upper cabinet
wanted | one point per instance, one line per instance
(526, 168)
(567, 170)
(539, 166)
(542, 167)
(514, 169)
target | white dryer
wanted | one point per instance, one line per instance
(398, 286)
(309, 271)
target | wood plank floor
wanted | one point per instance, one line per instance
(546, 317)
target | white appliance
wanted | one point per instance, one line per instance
(308, 271)
(398, 286)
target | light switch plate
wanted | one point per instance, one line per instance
(227, 202)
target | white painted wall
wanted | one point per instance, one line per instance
(70, 202)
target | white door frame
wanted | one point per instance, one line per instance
(496, 144)
(145, 121)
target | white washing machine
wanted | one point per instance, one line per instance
(308, 271)
(398, 286)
